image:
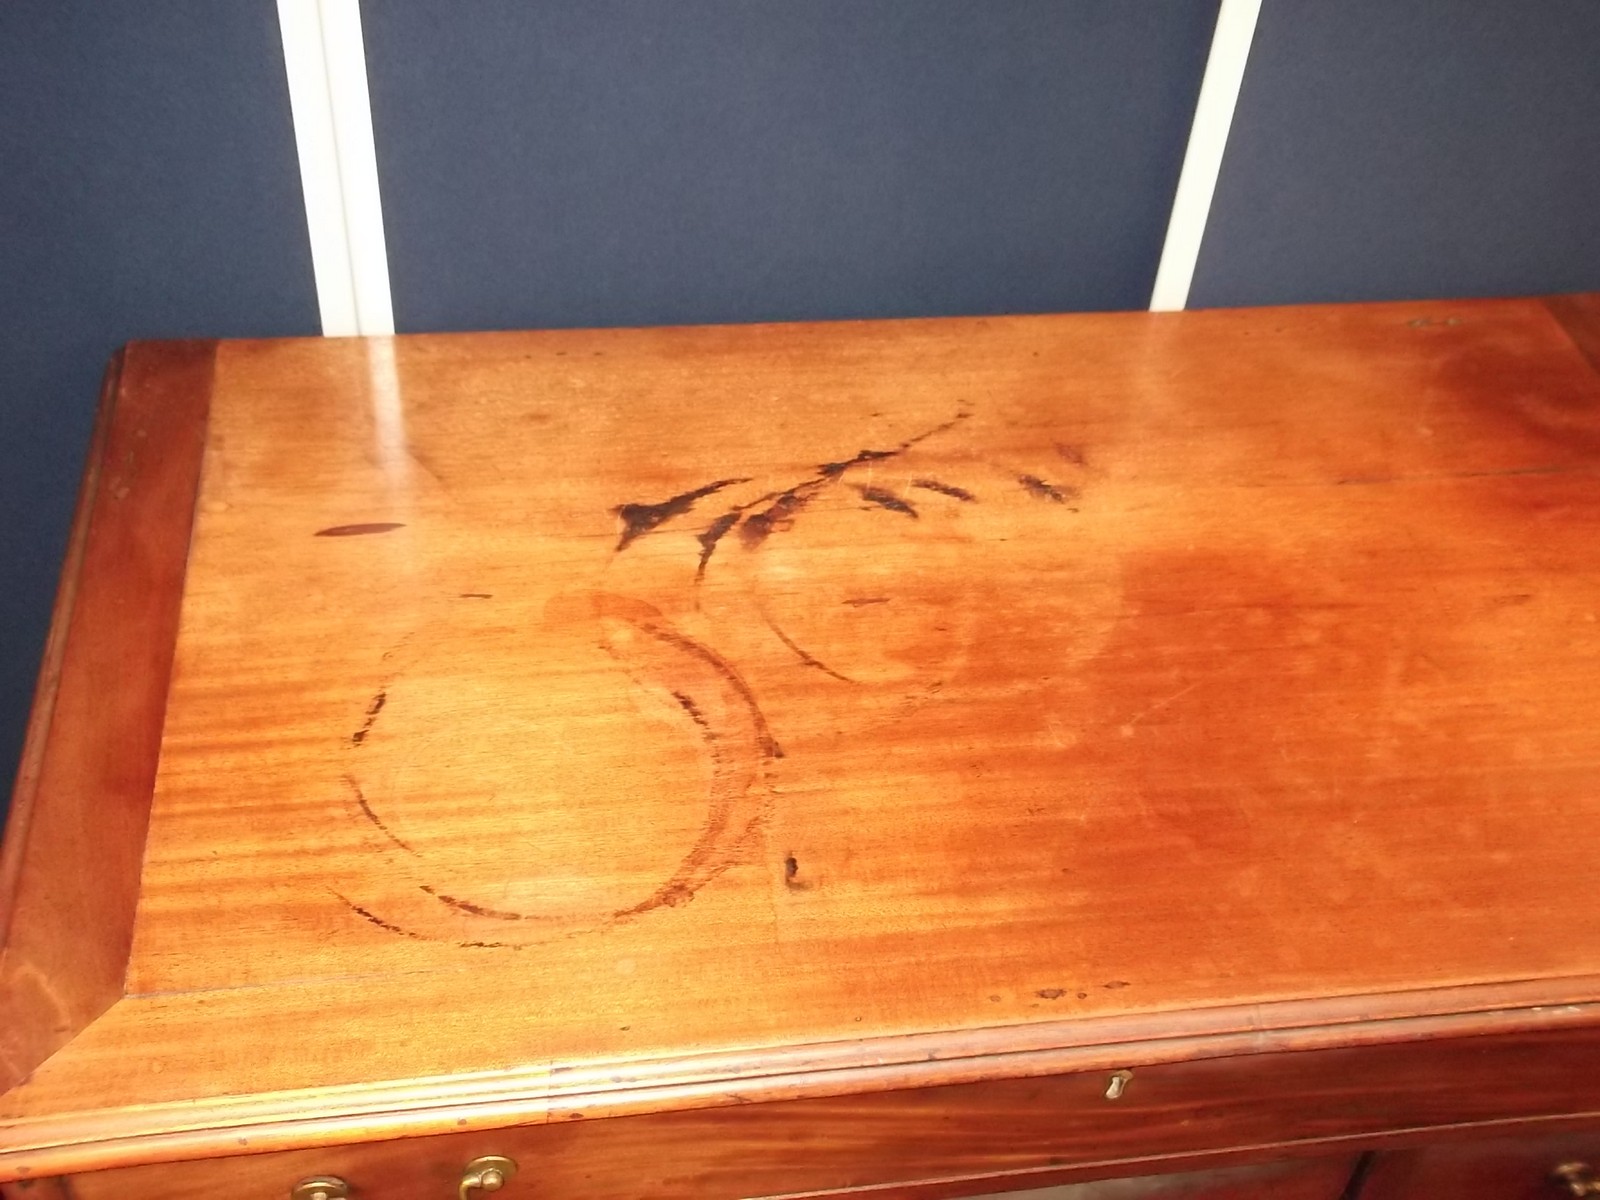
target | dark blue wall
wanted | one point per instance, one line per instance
(1385, 149)
(148, 188)
(572, 162)
(576, 162)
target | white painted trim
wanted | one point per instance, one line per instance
(1202, 161)
(325, 61)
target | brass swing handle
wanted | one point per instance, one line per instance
(1580, 1178)
(486, 1174)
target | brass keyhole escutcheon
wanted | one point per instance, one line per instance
(486, 1174)
(320, 1187)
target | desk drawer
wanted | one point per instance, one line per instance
(1041, 1130)
(393, 1171)
(1534, 1169)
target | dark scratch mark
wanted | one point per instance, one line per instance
(859, 601)
(1041, 490)
(374, 919)
(945, 489)
(1073, 454)
(671, 637)
(1051, 993)
(731, 775)
(781, 507)
(358, 530)
(477, 596)
(373, 710)
(640, 519)
(799, 652)
(699, 718)
(780, 514)
(832, 470)
(366, 808)
(1115, 984)
(960, 416)
(884, 498)
(709, 537)
(476, 910)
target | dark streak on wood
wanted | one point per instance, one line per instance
(360, 529)
(477, 596)
(476, 910)
(373, 710)
(366, 808)
(861, 601)
(944, 489)
(374, 919)
(799, 652)
(640, 519)
(884, 498)
(712, 853)
(671, 637)
(1041, 490)
(709, 537)
(1073, 454)
(832, 470)
(780, 514)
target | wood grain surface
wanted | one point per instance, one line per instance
(563, 706)
(1493, 1169)
(69, 873)
(948, 1141)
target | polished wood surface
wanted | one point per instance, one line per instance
(955, 1141)
(634, 720)
(428, 1169)
(69, 871)
(1321, 1179)
(1489, 1170)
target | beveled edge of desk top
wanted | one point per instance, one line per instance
(69, 886)
(546, 1092)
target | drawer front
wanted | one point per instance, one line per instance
(1490, 1170)
(1313, 1179)
(392, 1173)
(1030, 1131)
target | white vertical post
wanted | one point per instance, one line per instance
(325, 61)
(1202, 161)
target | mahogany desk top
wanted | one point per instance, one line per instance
(451, 732)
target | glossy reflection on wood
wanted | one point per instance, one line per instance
(549, 709)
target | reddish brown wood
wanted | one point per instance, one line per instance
(1315, 1179)
(408, 1176)
(36, 1189)
(1010, 1133)
(83, 794)
(1198, 694)
(1579, 314)
(1496, 1169)
(25, 790)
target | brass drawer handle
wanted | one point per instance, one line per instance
(320, 1187)
(486, 1174)
(1580, 1178)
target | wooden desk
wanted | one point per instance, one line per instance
(731, 762)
